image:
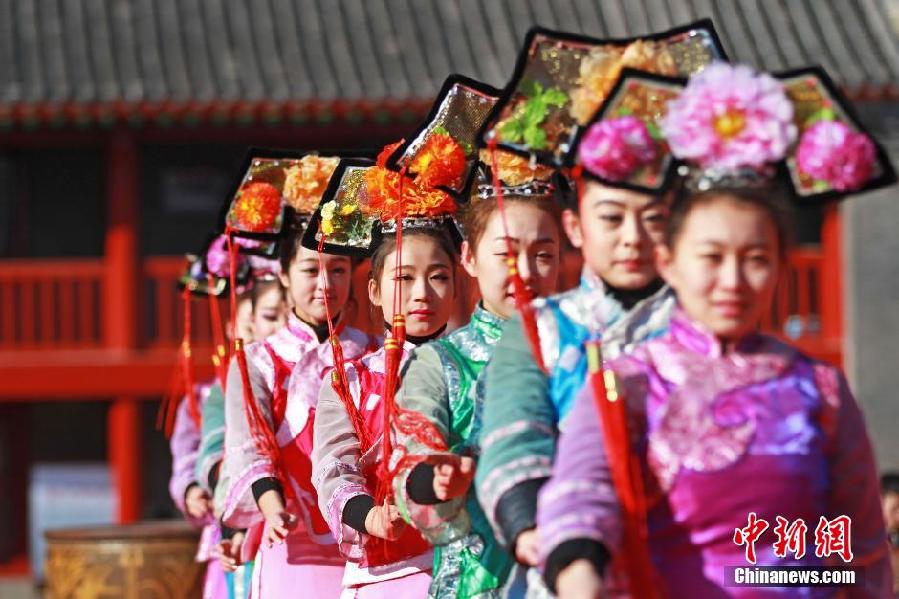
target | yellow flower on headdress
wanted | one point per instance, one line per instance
(306, 181)
(328, 210)
(440, 162)
(513, 169)
(383, 187)
(601, 67)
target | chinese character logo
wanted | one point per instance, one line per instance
(832, 537)
(750, 534)
(790, 537)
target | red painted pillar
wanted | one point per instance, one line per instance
(120, 309)
(832, 278)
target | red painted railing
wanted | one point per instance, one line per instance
(163, 325)
(50, 304)
(797, 305)
(56, 304)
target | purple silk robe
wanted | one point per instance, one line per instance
(760, 429)
(185, 444)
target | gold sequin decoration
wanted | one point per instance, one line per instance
(462, 113)
(587, 73)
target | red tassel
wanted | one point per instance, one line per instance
(398, 260)
(520, 293)
(338, 376)
(260, 430)
(220, 351)
(408, 423)
(627, 476)
(193, 405)
(232, 279)
(183, 379)
(393, 346)
(339, 384)
(393, 355)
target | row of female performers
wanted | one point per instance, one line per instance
(694, 274)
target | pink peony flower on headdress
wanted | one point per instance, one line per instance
(832, 152)
(730, 117)
(250, 244)
(217, 258)
(264, 268)
(613, 149)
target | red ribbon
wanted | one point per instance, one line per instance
(520, 293)
(627, 477)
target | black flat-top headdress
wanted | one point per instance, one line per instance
(460, 110)
(561, 78)
(730, 127)
(196, 281)
(418, 184)
(207, 272)
(413, 185)
(276, 190)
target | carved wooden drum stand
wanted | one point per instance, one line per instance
(147, 560)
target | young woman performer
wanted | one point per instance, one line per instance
(397, 562)
(268, 310)
(739, 433)
(269, 440)
(190, 492)
(621, 299)
(443, 382)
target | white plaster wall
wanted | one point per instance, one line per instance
(871, 296)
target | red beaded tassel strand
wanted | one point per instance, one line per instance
(263, 436)
(183, 379)
(338, 375)
(220, 351)
(627, 475)
(520, 293)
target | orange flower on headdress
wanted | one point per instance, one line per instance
(385, 153)
(514, 170)
(257, 207)
(306, 181)
(440, 162)
(383, 187)
(601, 67)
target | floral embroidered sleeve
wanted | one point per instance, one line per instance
(337, 467)
(579, 503)
(855, 489)
(424, 391)
(243, 463)
(519, 436)
(184, 444)
(212, 439)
